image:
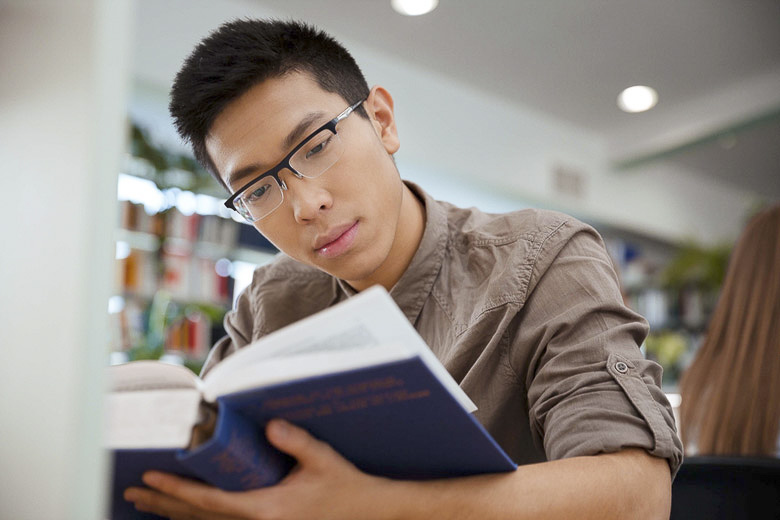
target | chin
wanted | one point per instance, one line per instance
(351, 275)
(351, 269)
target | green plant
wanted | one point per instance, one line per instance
(667, 348)
(163, 311)
(697, 265)
(153, 344)
(171, 170)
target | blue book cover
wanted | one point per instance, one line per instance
(395, 420)
(129, 465)
(237, 456)
(391, 408)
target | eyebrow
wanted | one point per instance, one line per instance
(295, 135)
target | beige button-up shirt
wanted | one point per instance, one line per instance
(524, 310)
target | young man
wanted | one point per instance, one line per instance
(523, 309)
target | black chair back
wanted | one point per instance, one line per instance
(731, 488)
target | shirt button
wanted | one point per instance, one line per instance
(621, 367)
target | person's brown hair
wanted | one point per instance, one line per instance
(731, 391)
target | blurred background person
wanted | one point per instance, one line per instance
(730, 403)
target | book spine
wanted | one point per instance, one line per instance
(237, 457)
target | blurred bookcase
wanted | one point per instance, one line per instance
(181, 258)
(675, 286)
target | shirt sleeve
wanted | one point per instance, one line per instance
(590, 390)
(238, 324)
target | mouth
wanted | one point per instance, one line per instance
(337, 241)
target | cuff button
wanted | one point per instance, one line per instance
(621, 367)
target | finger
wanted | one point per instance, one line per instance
(188, 495)
(151, 501)
(299, 443)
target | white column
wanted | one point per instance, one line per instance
(62, 128)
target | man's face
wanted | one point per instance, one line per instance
(343, 222)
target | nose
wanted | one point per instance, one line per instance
(307, 197)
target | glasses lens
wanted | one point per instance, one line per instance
(318, 154)
(259, 199)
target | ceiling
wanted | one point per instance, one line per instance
(715, 64)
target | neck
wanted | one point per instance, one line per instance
(408, 234)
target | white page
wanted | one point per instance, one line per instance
(369, 319)
(150, 375)
(150, 418)
(303, 365)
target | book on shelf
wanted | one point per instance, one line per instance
(187, 277)
(172, 223)
(356, 375)
(189, 335)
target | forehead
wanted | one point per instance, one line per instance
(252, 129)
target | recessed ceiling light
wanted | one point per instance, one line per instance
(637, 99)
(414, 7)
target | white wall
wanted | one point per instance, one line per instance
(62, 97)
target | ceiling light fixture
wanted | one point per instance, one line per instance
(637, 99)
(414, 7)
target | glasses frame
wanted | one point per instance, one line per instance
(285, 163)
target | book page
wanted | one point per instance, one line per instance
(352, 335)
(150, 418)
(149, 375)
(369, 319)
(303, 365)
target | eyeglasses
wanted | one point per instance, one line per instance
(310, 158)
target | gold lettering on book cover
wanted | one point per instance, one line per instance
(241, 458)
(342, 399)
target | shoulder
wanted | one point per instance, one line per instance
(281, 292)
(532, 237)
(474, 228)
(285, 290)
(504, 255)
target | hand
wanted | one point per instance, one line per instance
(323, 485)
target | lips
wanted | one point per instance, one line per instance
(336, 241)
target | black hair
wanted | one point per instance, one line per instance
(243, 53)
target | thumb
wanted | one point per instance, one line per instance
(297, 442)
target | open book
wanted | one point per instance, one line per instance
(356, 375)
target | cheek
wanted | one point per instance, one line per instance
(274, 230)
(369, 171)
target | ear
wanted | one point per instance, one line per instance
(379, 106)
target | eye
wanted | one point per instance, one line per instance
(257, 193)
(319, 148)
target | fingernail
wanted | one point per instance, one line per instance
(280, 427)
(151, 479)
(131, 495)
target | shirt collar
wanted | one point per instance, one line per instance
(415, 285)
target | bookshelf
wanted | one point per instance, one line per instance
(181, 256)
(178, 268)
